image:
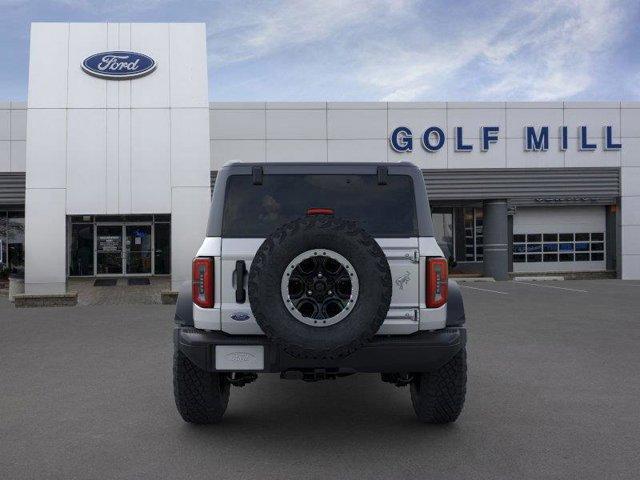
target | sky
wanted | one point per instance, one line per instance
(377, 50)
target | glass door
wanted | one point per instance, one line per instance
(109, 250)
(139, 249)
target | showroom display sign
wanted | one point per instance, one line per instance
(109, 243)
(118, 65)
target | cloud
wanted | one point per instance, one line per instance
(408, 50)
(243, 34)
(548, 50)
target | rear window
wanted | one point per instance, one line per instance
(257, 210)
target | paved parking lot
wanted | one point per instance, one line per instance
(554, 389)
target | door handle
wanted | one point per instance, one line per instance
(241, 270)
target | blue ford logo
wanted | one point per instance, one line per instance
(240, 317)
(118, 65)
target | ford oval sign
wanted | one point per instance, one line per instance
(118, 65)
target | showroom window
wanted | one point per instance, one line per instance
(558, 247)
(443, 230)
(473, 239)
(115, 245)
(11, 242)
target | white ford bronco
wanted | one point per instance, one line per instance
(318, 271)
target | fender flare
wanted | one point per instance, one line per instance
(184, 306)
(455, 305)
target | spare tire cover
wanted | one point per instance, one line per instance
(320, 287)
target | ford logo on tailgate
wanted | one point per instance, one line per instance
(118, 65)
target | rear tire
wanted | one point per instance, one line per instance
(201, 397)
(438, 397)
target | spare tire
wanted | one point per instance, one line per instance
(320, 287)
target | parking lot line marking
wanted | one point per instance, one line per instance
(552, 286)
(484, 290)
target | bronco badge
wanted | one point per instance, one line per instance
(403, 280)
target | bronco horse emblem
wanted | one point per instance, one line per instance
(403, 280)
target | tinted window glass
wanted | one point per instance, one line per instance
(257, 210)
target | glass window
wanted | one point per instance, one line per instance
(517, 238)
(565, 251)
(257, 210)
(519, 258)
(479, 224)
(534, 258)
(15, 241)
(81, 251)
(138, 249)
(161, 218)
(163, 249)
(110, 218)
(582, 247)
(443, 231)
(566, 247)
(109, 249)
(469, 235)
(4, 266)
(519, 248)
(82, 219)
(473, 222)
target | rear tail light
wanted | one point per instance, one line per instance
(437, 282)
(202, 282)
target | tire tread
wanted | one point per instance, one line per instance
(438, 397)
(201, 397)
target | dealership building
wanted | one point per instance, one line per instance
(107, 168)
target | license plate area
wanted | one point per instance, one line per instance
(239, 357)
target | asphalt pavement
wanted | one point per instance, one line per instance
(553, 392)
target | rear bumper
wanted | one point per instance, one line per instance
(419, 352)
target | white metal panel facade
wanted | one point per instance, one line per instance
(13, 136)
(311, 141)
(99, 146)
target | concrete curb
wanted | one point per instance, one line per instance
(168, 297)
(69, 299)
